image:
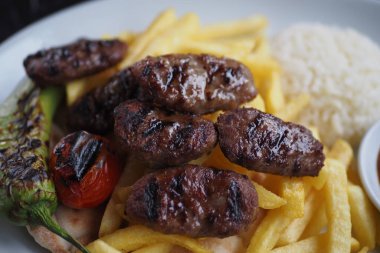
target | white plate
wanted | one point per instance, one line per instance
(99, 17)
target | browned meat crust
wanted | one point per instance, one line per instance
(264, 143)
(59, 65)
(194, 84)
(162, 138)
(191, 83)
(193, 200)
(94, 111)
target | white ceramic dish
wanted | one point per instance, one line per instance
(96, 18)
(368, 153)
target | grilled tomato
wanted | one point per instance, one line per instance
(85, 169)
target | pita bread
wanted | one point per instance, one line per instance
(82, 224)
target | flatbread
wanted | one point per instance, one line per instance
(82, 224)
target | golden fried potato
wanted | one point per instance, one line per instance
(99, 246)
(292, 108)
(315, 244)
(342, 151)
(160, 24)
(156, 248)
(251, 25)
(362, 216)
(269, 231)
(295, 229)
(136, 237)
(317, 223)
(337, 210)
(267, 199)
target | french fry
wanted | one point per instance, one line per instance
(241, 45)
(364, 250)
(362, 216)
(136, 237)
(262, 45)
(272, 93)
(128, 37)
(267, 199)
(236, 40)
(293, 107)
(171, 39)
(259, 178)
(317, 223)
(200, 160)
(319, 181)
(270, 229)
(257, 102)
(78, 88)
(218, 160)
(267, 234)
(315, 244)
(235, 28)
(135, 52)
(272, 182)
(212, 116)
(232, 244)
(295, 229)
(312, 244)
(337, 209)
(199, 47)
(111, 220)
(122, 193)
(292, 189)
(261, 67)
(120, 209)
(342, 151)
(156, 248)
(315, 132)
(99, 246)
(247, 234)
(355, 245)
(233, 51)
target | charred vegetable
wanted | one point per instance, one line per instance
(85, 169)
(27, 193)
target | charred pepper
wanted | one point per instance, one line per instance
(27, 193)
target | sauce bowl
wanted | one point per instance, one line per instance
(368, 171)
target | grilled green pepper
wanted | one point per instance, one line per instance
(27, 193)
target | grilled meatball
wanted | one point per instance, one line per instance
(193, 200)
(162, 138)
(94, 111)
(195, 84)
(59, 65)
(264, 143)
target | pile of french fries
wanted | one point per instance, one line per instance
(327, 213)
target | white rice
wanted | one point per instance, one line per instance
(340, 69)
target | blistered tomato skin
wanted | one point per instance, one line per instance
(85, 169)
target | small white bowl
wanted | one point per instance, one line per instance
(368, 171)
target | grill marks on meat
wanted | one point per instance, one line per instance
(264, 143)
(94, 111)
(59, 65)
(193, 200)
(166, 139)
(192, 84)
(195, 84)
